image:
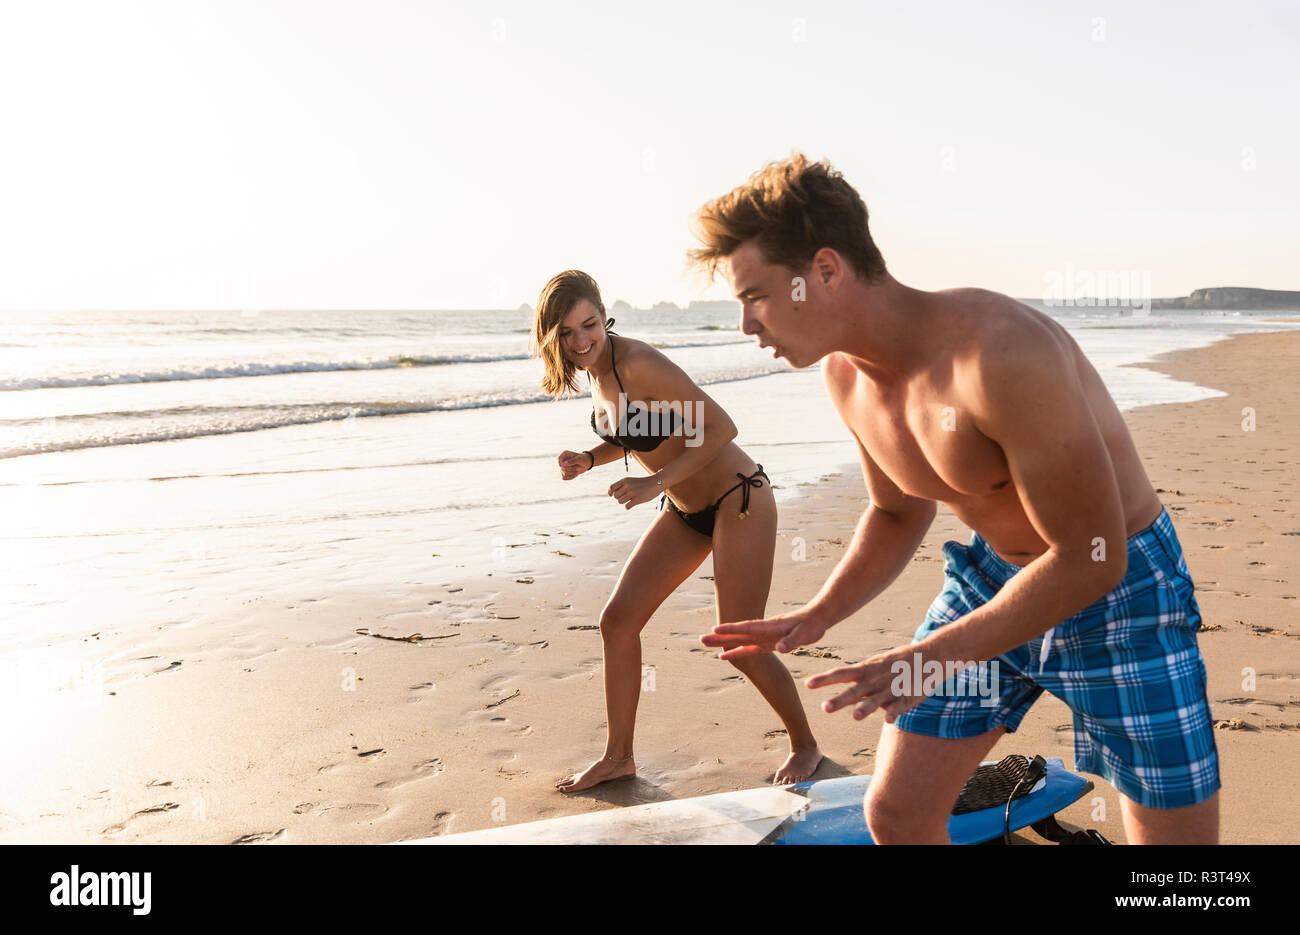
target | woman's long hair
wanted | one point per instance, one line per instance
(560, 377)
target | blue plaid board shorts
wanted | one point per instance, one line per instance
(1128, 666)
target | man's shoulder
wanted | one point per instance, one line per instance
(1011, 353)
(839, 375)
(998, 331)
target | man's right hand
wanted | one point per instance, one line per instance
(775, 634)
(573, 463)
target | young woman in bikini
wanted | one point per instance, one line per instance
(715, 498)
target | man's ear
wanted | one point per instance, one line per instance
(825, 262)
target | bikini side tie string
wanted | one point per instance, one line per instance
(744, 485)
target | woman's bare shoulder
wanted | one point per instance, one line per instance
(648, 367)
(636, 355)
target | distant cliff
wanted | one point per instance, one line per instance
(714, 305)
(1233, 297)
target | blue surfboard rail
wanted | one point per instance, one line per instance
(835, 816)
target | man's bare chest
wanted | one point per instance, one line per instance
(929, 447)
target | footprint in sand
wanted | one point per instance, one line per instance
(438, 824)
(584, 667)
(152, 810)
(421, 771)
(729, 681)
(259, 837)
(1239, 701)
(353, 811)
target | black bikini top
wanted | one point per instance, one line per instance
(637, 425)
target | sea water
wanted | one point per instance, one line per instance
(164, 454)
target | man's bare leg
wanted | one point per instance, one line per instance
(916, 783)
(1191, 824)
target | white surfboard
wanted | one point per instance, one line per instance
(824, 811)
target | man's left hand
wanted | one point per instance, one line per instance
(872, 685)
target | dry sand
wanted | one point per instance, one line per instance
(317, 722)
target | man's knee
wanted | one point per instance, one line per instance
(894, 818)
(1188, 824)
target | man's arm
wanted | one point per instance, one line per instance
(1029, 401)
(885, 540)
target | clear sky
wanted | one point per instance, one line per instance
(391, 154)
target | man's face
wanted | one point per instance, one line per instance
(768, 309)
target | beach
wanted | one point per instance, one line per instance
(391, 674)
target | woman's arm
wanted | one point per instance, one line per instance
(573, 463)
(604, 453)
(705, 426)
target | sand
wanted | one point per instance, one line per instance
(370, 715)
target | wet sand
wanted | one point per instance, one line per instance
(363, 714)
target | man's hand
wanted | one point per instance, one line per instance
(873, 683)
(775, 634)
(633, 490)
(573, 463)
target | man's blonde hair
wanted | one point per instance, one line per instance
(794, 208)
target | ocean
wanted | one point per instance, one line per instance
(148, 458)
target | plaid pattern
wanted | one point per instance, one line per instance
(1128, 666)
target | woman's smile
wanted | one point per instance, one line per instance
(577, 353)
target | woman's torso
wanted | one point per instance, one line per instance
(664, 420)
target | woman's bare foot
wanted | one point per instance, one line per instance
(602, 770)
(798, 766)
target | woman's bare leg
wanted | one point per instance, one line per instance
(742, 574)
(668, 552)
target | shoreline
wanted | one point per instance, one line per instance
(293, 725)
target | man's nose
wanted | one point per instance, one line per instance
(747, 323)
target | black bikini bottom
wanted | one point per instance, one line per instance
(702, 521)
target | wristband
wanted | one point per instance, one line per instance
(592, 457)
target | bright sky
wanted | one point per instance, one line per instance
(388, 154)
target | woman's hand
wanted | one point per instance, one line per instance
(780, 634)
(633, 490)
(573, 463)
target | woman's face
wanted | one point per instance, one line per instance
(582, 334)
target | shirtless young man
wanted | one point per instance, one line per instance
(1073, 581)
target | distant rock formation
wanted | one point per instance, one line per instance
(619, 308)
(714, 305)
(664, 307)
(1233, 297)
